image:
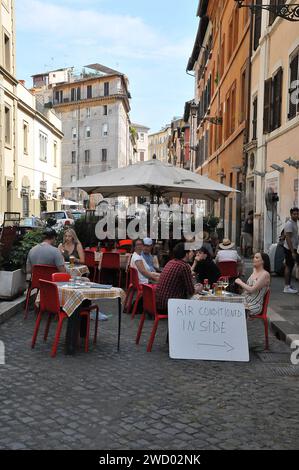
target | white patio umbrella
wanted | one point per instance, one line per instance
(67, 202)
(153, 178)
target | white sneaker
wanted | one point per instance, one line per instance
(102, 316)
(290, 290)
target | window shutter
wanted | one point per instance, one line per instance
(254, 121)
(293, 77)
(272, 16)
(267, 106)
(277, 99)
(257, 25)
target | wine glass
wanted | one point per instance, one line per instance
(225, 283)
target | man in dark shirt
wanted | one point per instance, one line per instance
(176, 280)
(205, 268)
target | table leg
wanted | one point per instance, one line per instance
(119, 322)
(72, 331)
(75, 325)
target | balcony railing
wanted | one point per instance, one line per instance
(116, 94)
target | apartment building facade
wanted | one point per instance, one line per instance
(179, 143)
(141, 151)
(94, 109)
(30, 137)
(220, 62)
(272, 184)
(158, 144)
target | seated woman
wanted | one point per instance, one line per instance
(137, 261)
(257, 285)
(71, 246)
(205, 268)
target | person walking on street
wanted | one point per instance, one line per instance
(247, 235)
(290, 248)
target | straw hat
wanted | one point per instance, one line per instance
(226, 244)
(204, 236)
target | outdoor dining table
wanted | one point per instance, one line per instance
(227, 297)
(73, 297)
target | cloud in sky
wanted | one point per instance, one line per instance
(126, 35)
(79, 32)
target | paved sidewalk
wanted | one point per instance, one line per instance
(284, 311)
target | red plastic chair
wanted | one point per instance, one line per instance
(39, 271)
(50, 305)
(61, 277)
(228, 269)
(126, 244)
(91, 263)
(134, 288)
(110, 265)
(149, 307)
(264, 316)
(128, 271)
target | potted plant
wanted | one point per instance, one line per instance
(13, 266)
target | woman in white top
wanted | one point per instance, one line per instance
(138, 262)
(257, 285)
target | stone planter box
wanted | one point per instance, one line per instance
(12, 284)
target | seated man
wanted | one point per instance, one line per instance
(137, 261)
(46, 253)
(176, 280)
(228, 253)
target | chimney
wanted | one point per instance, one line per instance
(23, 82)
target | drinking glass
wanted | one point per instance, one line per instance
(225, 283)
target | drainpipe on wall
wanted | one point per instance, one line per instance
(248, 123)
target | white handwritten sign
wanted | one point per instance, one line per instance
(214, 331)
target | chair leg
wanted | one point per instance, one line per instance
(129, 300)
(47, 327)
(138, 298)
(37, 325)
(266, 326)
(152, 338)
(96, 326)
(140, 327)
(27, 303)
(57, 337)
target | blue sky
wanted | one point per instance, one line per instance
(149, 40)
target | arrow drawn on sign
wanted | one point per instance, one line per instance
(226, 345)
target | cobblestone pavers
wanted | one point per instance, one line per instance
(136, 400)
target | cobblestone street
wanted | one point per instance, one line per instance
(136, 400)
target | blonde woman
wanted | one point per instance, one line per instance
(71, 246)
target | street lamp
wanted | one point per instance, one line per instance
(262, 174)
(289, 12)
(277, 168)
(293, 163)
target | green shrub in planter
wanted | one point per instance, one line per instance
(18, 256)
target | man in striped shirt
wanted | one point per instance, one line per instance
(176, 280)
